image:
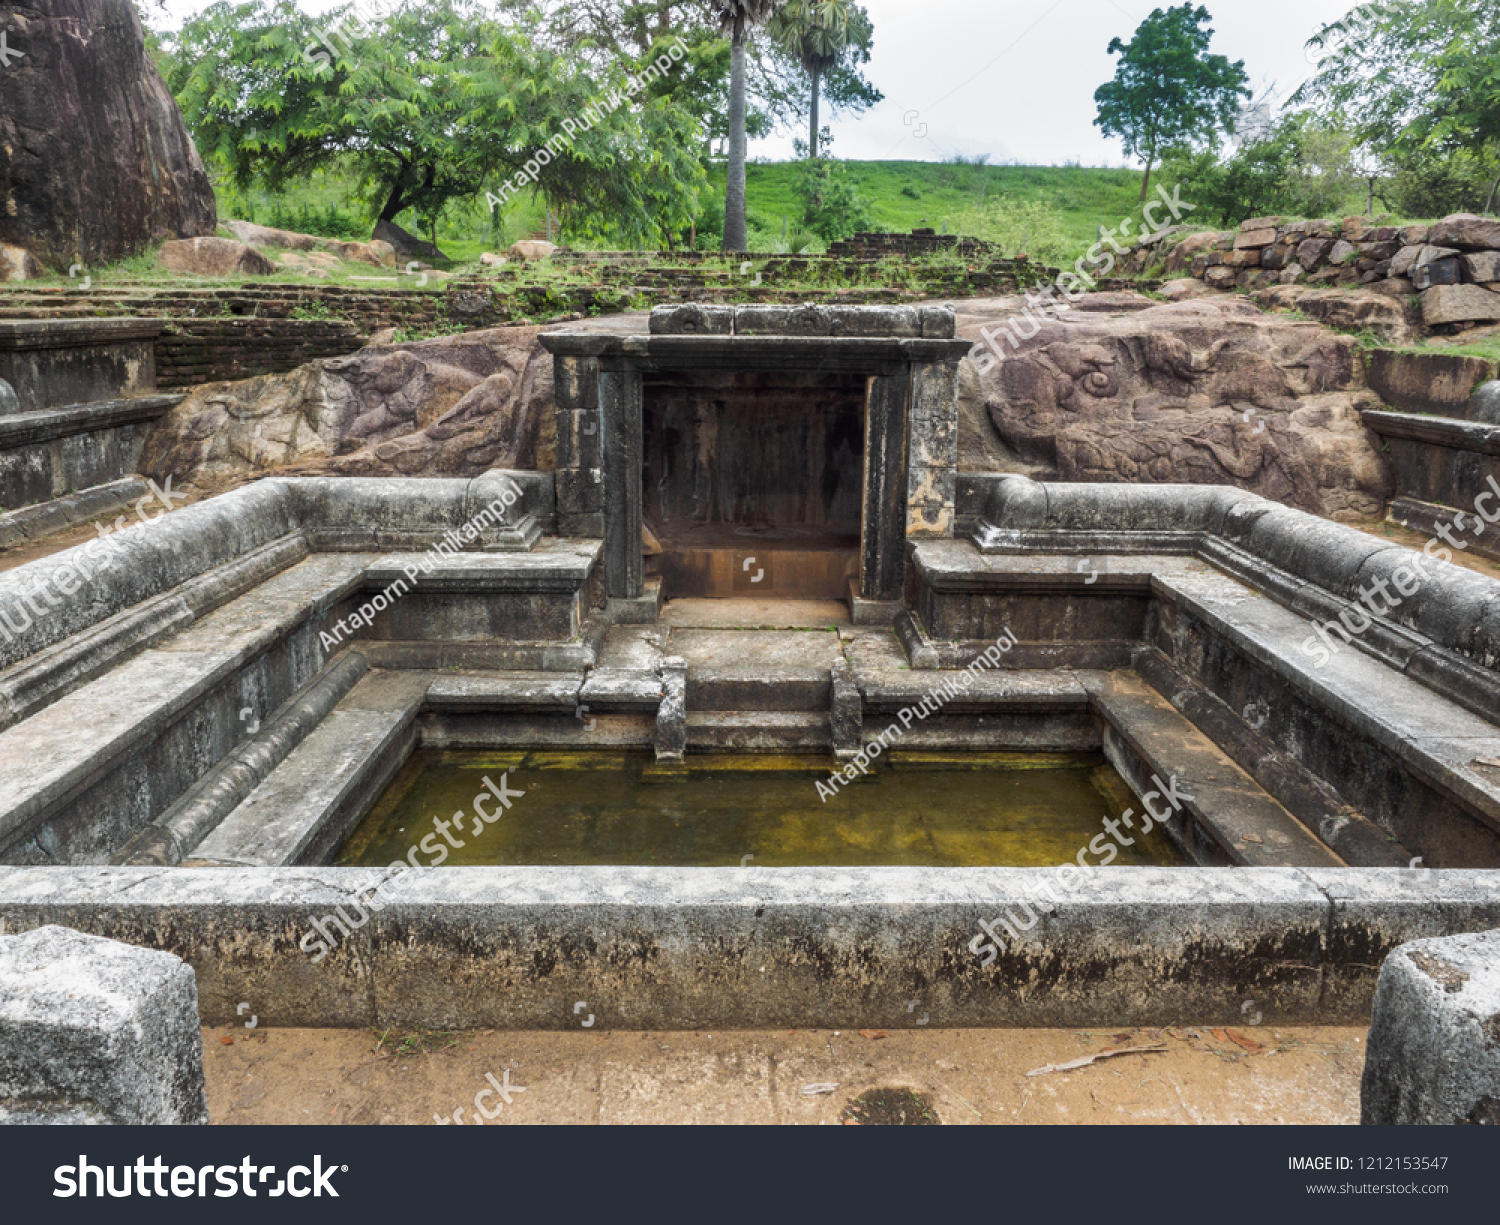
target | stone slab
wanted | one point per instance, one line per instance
(92, 1023)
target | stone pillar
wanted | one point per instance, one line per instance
(882, 561)
(580, 475)
(671, 715)
(96, 1031)
(1433, 1055)
(932, 481)
(620, 407)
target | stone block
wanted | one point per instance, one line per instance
(93, 1024)
(1439, 272)
(1242, 258)
(692, 320)
(1342, 252)
(1254, 224)
(581, 526)
(1313, 251)
(577, 439)
(1434, 1047)
(1430, 255)
(783, 321)
(580, 491)
(1405, 259)
(1466, 232)
(575, 383)
(1220, 277)
(1460, 304)
(1254, 239)
(1482, 266)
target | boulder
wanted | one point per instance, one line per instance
(1415, 235)
(376, 253)
(97, 162)
(264, 236)
(1433, 1054)
(214, 257)
(1160, 395)
(533, 249)
(1292, 274)
(1356, 229)
(1354, 310)
(451, 406)
(1220, 277)
(1180, 257)
(1460, 304)
(1429, 382)
(490, 260)
(18, 264)
(406, 246)
(1467, 232)
(1482, 267)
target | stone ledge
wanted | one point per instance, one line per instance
(479, 947)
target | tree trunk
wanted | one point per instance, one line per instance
(734, 195)
(1146, 183)
(812, 131)
(394, 203)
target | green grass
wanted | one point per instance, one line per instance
(1067, 204)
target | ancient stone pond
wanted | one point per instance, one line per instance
(756, 706)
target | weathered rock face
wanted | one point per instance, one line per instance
(214, 257)
(376, 253)
(95, 162)
(18, 264)
(1210, 391)
(454, 406)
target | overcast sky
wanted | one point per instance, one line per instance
(1016, 78)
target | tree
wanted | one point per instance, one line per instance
(1168, 91)
(427, 105)
(1414, 75)
(819, 34)
(737, 18)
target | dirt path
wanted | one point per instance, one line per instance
(1244, 1075)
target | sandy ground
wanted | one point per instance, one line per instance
(1243, 1075)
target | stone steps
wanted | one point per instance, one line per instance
(758, 732)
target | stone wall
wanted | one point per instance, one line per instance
(1453, 266)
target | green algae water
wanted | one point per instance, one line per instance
(615, 808)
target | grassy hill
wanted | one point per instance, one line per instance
(1053, 209)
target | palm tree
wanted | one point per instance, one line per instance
(737, 18)
(817, 33)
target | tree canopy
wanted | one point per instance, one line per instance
(1169, 92)
(431, 103)
(1408, 74)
